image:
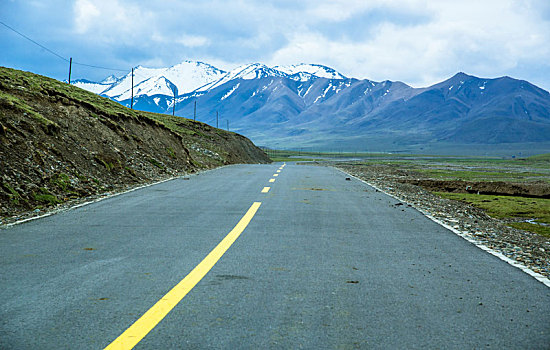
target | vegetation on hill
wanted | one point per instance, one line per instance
(59, 142)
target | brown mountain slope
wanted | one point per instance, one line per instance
(60, 143)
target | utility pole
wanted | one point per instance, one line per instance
(195, 112)
(174, 106)
(132, 103)
(216, 119)
(70, 68)
(227, 124)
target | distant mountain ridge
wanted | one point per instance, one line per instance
(314, 106)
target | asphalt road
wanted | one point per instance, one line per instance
(324, 263)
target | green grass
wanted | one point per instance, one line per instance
(46, 197)
(18, 104)
(545, 157)
(155, 163)
(61, 180)
(171, 153)
(288, 159)
(469, 175)
(505, 207)
(110, 165)
(535, 168)
(541, 230)
(14, 196)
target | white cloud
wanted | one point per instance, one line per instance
(479, 37)
(111, 20)
(417, 41)
(193, 40)
(85, 14)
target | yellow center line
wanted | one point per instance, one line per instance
(278, 170)
(265, 189)
(275, 174)
(137, 331)
(271, 180)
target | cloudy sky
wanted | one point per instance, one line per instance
(419, 42)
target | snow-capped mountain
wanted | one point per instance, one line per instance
(191, 76)
(309, 105)
(111, 79)
(303, 71)
(91, 86)
(186, 77)
(248, 71)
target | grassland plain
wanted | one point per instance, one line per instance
(59, 144)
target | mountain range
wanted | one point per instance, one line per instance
(315, 107)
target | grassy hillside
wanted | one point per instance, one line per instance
(59, 142)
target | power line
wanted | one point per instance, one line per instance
(99, 67)
(58, 55)
(42, 46)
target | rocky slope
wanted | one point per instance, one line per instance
(59, 143)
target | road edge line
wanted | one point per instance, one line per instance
(541, 278)
(76, 206)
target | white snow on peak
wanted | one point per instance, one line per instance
(96, 88)
(246, 72)
(186, 76)
(111, 79)
(199, 77)
(149, 87)
(304, 71)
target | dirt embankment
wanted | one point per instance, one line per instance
(59, 143)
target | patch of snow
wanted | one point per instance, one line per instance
(246, 72)
(309, 88)
(96, 88)
(309, 70)
(327, 89)
(230, 92)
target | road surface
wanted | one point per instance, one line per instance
(321, 263)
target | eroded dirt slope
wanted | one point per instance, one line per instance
(60, 143)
